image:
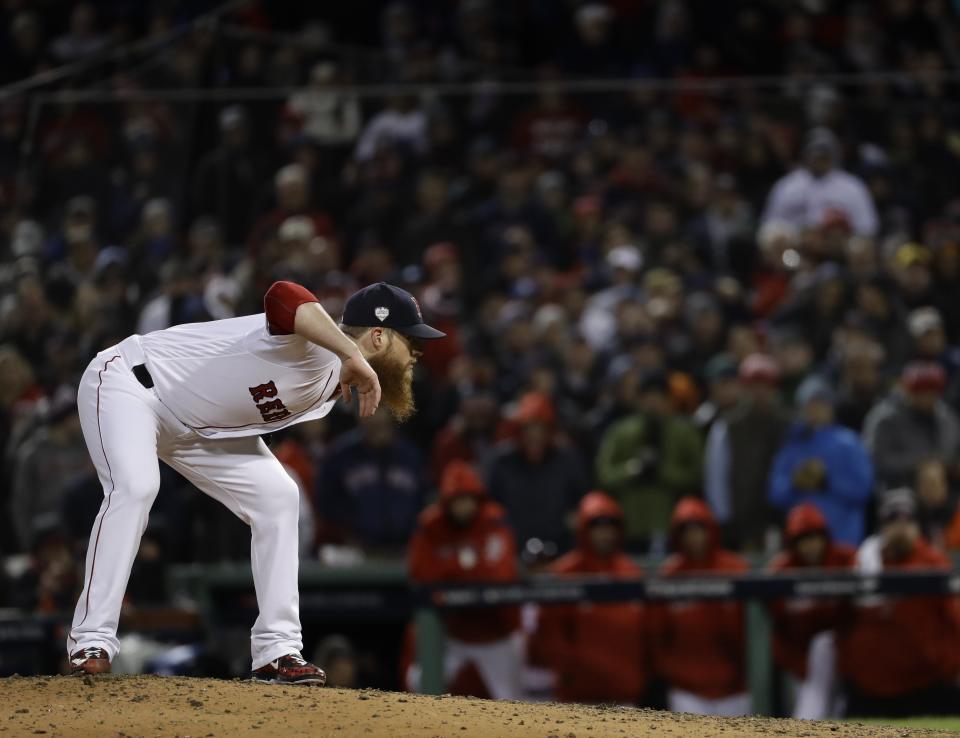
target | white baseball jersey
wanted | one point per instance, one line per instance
(230, 378)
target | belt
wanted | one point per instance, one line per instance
(143, 376)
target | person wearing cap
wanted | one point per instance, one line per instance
(723, 390)
(464, 537)
(819, 185)
(912, 268)
(929, 338)
(804, 640)
(328, 115)
(294, 198)
(824, 464)
(648, 460)
(901, 655)
(537, 476)
(76, 243)
(912, 424)
(45, 464)
(699, 646)
(574, 641)
(229, 178)
(598, 323)
(740, 449)
(198, 396)
(340, 661)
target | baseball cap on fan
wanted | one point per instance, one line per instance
(384, 305)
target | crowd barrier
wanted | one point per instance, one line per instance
(752, 588)
(380, 592)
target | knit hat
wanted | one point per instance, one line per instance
(895, 503)
(814, 388)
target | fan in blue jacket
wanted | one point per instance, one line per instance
(823, 463)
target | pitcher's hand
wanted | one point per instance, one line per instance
(356, 372)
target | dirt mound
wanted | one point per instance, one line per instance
(167, 706)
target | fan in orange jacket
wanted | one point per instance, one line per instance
(597, 651)
(804, 628)
(699, 645)
(901, 654)
(463, 537)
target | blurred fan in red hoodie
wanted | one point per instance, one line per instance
(464, 537)
(597, 651)
(804, 638)
(901, 655)
(698, 645)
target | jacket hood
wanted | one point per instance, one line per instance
(460, 478)
(804, 519)
(693, 510)
(535, 407)
(594, 505)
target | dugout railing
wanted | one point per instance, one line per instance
(380, 592)
(754, 589)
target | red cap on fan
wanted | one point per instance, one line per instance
(759, 368)
(924, 376)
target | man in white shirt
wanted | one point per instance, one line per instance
(198, 396)
(808, 193)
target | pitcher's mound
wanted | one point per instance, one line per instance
(174, 706)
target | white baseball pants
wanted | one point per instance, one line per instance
(127, 430)
(736, 705)
(817, 695)
(500, 664)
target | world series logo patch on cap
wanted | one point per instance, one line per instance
(382, 313)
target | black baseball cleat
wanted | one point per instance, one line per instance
(89, 661)
(290, 669)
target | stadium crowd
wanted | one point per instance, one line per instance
(732, 307)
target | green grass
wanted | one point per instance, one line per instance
(933, 723)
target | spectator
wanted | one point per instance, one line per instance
(720, 374)
(537, 478)
(340, 662)
(180, 300)
(229, 178)
(463, 537)
(910, 425)
(550, 126)
(25, 55)
(77, 244)
(81, 39)
(824, 464)
(929, 338)
(53, 577)
(371, 486)
(470, 434)
(401, 125)
(698, 646)
(292, 196)
(329, 116)
(45, 465)
(901, 655)
(859, 385)
(430, 222)
(805, 196)
(804, 638)
(574, 640)
(936, 502)
(740, 450)
(648, 461)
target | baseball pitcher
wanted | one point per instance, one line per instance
(198, 397)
